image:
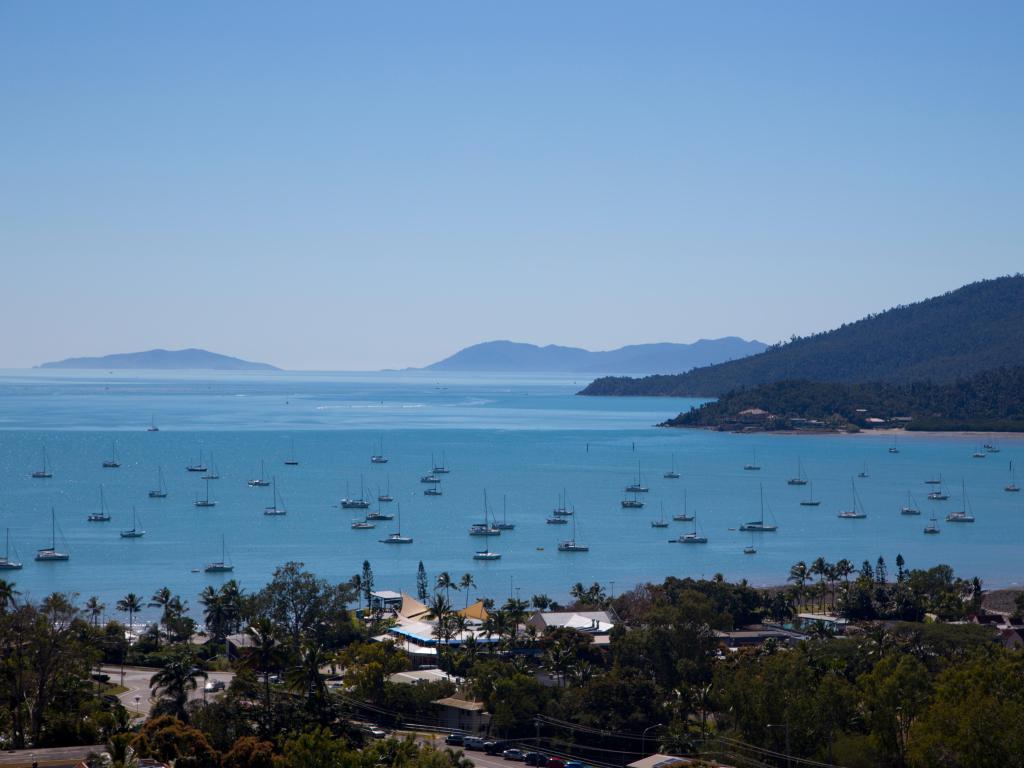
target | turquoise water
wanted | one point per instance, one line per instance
(522, 438)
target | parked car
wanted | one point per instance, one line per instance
(555, 762)
(535, 758)
(473, 742)
(574, 764)
(214, 685)
(376, 732)
(514, 754)
(455, 739)
(493, 747)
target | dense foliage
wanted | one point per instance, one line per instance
(992, 400)
(976, 328)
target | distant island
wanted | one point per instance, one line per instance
(992, 401)
(979, 327)
(163, 359)
(507, 356)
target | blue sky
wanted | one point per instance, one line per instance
(363, 185)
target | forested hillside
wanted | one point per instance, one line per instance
(976, 328)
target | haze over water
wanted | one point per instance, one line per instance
(523, 438)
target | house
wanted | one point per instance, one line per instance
(833, 624)
(386, 601)
(597, 624)
(758, 634)
(665, 761)
(420, 676)
(415, 630)
(457, 714)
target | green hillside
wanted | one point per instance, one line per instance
(976, 328)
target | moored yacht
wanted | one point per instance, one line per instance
(932, 527)
(135, 532)
(1012, 486)
(261, 481)
(397, 537)
(205, 502)
(571, 545)
(222, 565)
(379, 457)
(50, 554)
(45, 473)
(964, 515)
(112, 462)
(197, 466)
(760, 524)
(799, 479)
(6, 563)
(856, 512)
(672, 474)
(275, 509)
(693, 537)
(685, 516)
(810, 501)
(103, 516)
(910, 508)
(160, 492)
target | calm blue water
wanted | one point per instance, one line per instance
(521, 438)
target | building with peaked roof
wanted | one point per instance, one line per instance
(415, 630)
(668, 761)
(588, 622)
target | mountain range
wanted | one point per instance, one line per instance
(636, 358)
(976, 328)
(163, 359)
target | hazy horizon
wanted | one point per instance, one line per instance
(361, 187)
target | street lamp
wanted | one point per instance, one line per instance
(643, 737)
(789, 759)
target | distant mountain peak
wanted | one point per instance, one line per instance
(663, 357)
(163, 359)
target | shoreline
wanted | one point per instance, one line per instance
(884, 432)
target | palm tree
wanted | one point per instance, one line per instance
(305, 677)
(445, 582)
(179, 677)
(467, 583)
(798, 575)
(819, 568)
(130, 604)
(7, 595)
(357, 584)
(95, 609)
(170, 606)
(263, 655)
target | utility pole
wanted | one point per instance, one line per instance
(789, 757)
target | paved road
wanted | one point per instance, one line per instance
(50, 758)
(136, 679)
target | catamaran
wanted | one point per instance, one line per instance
(160, 492)
(397, 537)
(207, 502)
(693, 537)
(6, 564)
(222, 565)
(685, 516)
(44, 473)
(261, 481)
(661, 522)
(1012, 486)
(856, 512)
(50, 554)
(112, 462)
(103, 516)
(134, 532)
(760, 524)
(379, 457)
(964, 515)
(810, 501)
(910, 508)
(570, 545)
(932, 527)
(672, 474)
(799, 479)
(275, 509)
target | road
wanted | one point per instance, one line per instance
(55, 757)
(136, 679)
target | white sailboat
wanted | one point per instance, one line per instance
(964, 515)
(685, 516)
(932, 527)
(910, 508)
(103, 516)
(379, 457)
(672, 474)
(661, 522)
(213, 473)
(197, 466)
(760, 525)
(753, 466)
(488, 531)
(693, 537)
(571, 545)
(637, 485)
(134, 532)
(1012, 486)
(275, 509)
(442, 468)
(397, 537)
(50, 554)
(160, 492)
(361, 503)
(6, 563)
(386, 497)
(800, 479)
(152, 425)
(261, 481)
(857, 511)
(222, 565)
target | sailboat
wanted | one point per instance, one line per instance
(378, 515)
(487, 531)
(197, 466)
(6, 564)
(753, 466)
(750, 549)
(760, 524)
(103, 516)
(911, 507)
(672, 474)
(442, 468)
(134, 532)
(50, 554)
(934, 480)
(570, 545)
(386, 497)
(857, 511)
(504, 525)
(633, 503)
(933, 526)
(991, 448)
(222, 565)
(685, 517)
(799, 479)
(291, 461)
(938, 495)
(397, 537)
(261, 481)
(810, 501)
(207, 502)
(213, 473)
(979, 454)
(275, 509)
(964, 515)
(44, 473)
(152, 425)
(434, 489)
(364, 524)
(863, 472)
(160, 492)
(637, 485)
(379, 457)
(893, 448)
(561, 513)
(1012, 486)
(112, 462)
(361, 503)
(693, 537)
(660, 522)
